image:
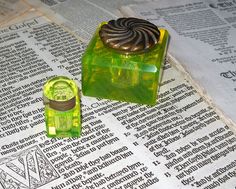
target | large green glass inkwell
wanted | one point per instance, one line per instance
(62, 107)
(124, 60)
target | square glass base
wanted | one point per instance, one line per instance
(109, 74)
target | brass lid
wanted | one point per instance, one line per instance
(60, 105)
(129, 35)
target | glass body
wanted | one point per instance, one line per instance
(109, 74)
(62, 107)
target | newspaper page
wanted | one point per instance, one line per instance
(74, 12)
(203, 42)
(11, 9)
(111, 6)
(179, 143)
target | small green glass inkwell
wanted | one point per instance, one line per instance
(124, 60)
(62, 107)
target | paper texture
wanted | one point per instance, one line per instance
(203, 42)
(179, 143)
(83, 16)
(12, 9)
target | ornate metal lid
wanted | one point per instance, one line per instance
(129, 35)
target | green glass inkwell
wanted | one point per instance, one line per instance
(124, 61)
(62, 107)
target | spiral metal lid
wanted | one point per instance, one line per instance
(129, 35)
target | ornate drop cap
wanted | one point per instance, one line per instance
(129, 35)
